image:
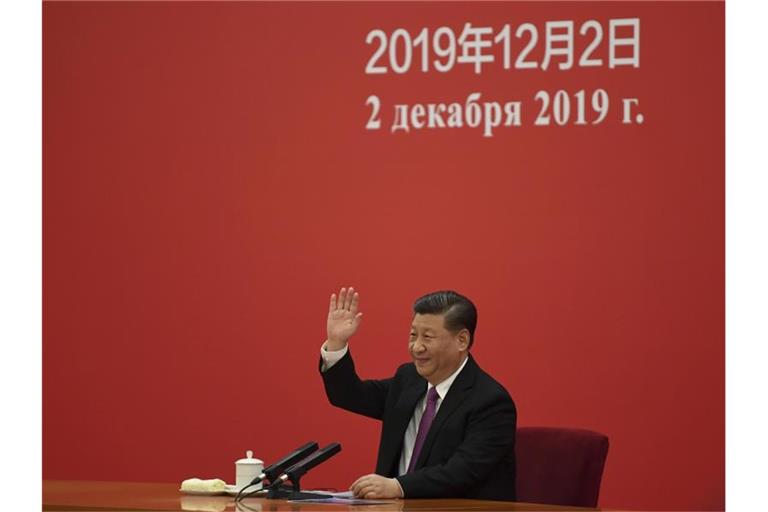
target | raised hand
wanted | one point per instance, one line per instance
(343, 318)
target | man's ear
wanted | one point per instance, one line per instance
(463, 338)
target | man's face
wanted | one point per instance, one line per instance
(436, 351)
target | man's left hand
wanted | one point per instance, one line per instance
(376, 487)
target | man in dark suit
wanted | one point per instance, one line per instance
(448, 428)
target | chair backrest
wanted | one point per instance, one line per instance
(560, 466)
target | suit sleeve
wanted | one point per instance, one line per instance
(490, 436)
(346, 390)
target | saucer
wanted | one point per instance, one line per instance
(203, 493)
(233, 490)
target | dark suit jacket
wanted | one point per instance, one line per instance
(470, 449)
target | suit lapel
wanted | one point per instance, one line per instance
(397, 424)
(456, 394)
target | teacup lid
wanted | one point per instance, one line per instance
(249, 459)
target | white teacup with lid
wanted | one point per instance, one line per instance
(246, 470)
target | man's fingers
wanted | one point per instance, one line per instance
(359, 484)
(359, 490)
(348, 298)
(356, 484)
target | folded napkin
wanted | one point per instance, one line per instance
(197, 485)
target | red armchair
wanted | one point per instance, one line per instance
(560, 466)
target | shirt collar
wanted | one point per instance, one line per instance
(444, 386)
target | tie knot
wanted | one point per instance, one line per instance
(432, 395)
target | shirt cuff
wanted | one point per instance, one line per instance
(331, 357)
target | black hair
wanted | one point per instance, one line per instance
(458, 310)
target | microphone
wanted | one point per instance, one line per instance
(276, 468)
(295, 472)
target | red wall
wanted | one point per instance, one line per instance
(208, 182)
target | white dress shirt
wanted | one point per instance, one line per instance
(331, 357)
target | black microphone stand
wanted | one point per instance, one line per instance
(274, 471)
(295, 472)
(280, 491)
